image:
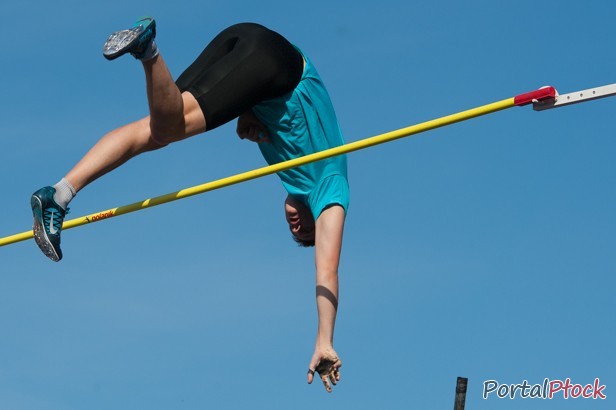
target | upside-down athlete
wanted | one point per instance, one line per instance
(253, 74)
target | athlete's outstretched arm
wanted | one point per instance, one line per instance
(328, 245)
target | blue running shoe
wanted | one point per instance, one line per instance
(134, 40)
(48, 219)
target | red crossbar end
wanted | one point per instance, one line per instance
(537, 95)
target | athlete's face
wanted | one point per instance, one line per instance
(300, 220)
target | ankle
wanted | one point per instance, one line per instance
(149, 54)
(64, 193)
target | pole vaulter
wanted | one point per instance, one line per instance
(542, 99)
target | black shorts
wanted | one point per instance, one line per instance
(244, 65)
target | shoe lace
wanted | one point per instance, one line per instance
(58, 218)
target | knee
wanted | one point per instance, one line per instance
(163, 134)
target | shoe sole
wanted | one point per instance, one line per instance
(120, 42)
(40, 235)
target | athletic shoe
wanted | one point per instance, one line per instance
(48, 218)
(134, 40)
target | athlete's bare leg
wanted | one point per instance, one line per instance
(173, 116)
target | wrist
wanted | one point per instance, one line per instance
(324, 343)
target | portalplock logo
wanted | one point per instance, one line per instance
(549, 389)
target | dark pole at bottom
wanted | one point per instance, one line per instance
(460, 393)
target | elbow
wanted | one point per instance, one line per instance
(327, 277)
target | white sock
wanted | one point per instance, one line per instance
(64, 193)
(150, 52)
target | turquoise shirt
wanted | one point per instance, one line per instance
(303, 122)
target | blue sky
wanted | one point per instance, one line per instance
(484, 249)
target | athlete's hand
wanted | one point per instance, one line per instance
(327, 364)
(250, 128)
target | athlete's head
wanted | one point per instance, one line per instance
(300, 220)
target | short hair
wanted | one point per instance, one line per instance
(302, 242)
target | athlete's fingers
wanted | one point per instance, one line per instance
(250, 133)
(310, 376)
(240, 130)
(312, 368)
(331, 375)
(327, 370)
(244, 134)
(325, 381)
(264, 133)
(263, 137)
(253, 132)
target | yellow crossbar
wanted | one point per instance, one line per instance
(271, 169)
